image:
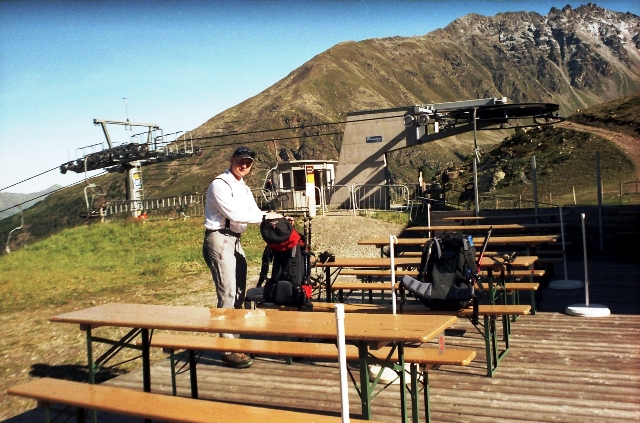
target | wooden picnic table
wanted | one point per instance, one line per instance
(506, 226)
(511, 217)
(360, 329)
(385, 262)
(487, 263)
(530, 240)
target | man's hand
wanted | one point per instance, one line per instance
(272, 216)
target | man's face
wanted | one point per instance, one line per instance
(240, 167)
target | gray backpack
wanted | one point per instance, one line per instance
(447, 273)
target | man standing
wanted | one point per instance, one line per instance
(230, 206)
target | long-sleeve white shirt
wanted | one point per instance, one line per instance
(229, 198)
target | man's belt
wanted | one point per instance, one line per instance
(224, 232)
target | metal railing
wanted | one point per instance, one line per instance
(381, 197)
(338, 197)
(175, 207)
(281, 201)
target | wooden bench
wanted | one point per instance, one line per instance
(147, 405)
(425, 357)
(493, 253)
(489, 313)
(387, 273)
(512, 288)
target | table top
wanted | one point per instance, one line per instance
(477, 240)
(382, 328)
(483, 227)
(514, 217)
(385, 262)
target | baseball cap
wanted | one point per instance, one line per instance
(244, 152)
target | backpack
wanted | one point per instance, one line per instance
(285, 252)
(447, 273)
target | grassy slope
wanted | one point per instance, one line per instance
(564, 159)
(90, 261)
(621, 115)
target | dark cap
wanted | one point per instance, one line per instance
(244, 152)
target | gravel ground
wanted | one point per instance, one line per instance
(340, 234)
(33, 347)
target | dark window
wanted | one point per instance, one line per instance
(286, 180)
(299, 180)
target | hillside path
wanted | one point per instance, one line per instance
(630, 145)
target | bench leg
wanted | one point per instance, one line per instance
(365, 387)
(92, 373)
(415, 412)
(427, 404)
(146, 361)
(172, 361)
(491, 344)
(327, 276)
(533, 302)
(80, 415)
(403, 383)
(192, 374)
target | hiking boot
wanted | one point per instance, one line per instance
(237, 360)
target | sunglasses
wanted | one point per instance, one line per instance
(244, 151)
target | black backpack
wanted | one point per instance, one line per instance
(447, 273)
(285, 254)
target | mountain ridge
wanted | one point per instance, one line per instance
(573, 57)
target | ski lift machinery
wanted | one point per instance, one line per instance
(370, 135)
(473, 115)
(129, 158)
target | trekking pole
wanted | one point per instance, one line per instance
(476, 299)
(484, 248)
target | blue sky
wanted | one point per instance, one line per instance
(178, 63)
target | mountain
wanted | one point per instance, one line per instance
(9, 199)
(574, 57)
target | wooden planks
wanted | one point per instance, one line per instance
(560, 368)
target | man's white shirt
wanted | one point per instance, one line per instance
(230, 198)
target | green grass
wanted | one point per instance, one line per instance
(564, 159)
(391, 217)
(88, 261)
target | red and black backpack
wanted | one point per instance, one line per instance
(285, 253)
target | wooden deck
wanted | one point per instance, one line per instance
(560, 368)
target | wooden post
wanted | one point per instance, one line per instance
(535, 184)
(599, 185)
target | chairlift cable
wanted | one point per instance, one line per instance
(273, 139)
(49, 193)
(25, 180)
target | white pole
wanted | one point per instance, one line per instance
(586, 309)
(566, 283)
(392, 241)
(342, 361)
(586, 271)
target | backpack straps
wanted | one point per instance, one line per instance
(227, 223)
(424, 260)
(264, 269)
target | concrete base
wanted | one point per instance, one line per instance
(591, 310)
(389, 375)
(566, 284)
